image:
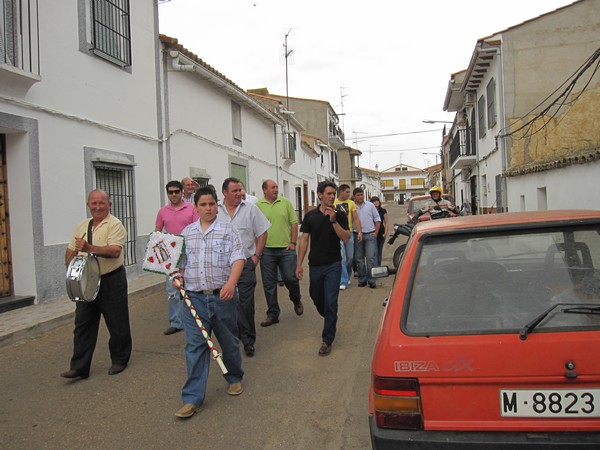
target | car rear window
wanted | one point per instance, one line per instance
(498, 282)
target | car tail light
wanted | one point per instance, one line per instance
(397, 403)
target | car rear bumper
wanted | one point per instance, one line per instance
(407, 440)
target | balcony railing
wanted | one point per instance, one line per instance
(356, 174)
(462, 152)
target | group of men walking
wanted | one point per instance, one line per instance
(224, 243)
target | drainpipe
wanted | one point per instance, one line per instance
(177, 66)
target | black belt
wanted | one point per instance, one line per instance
(114, 272)
(208, 292)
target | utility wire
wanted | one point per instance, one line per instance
(560, 101)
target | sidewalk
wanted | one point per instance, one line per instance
(28, 322)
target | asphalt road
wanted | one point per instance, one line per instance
(293, 398)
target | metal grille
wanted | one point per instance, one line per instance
(118, 182)
(19, 35)
(111, 31)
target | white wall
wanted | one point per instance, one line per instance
(81, 101)
(573, 187)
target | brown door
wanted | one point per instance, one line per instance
(5, 257)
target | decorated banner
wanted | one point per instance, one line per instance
(163, 254)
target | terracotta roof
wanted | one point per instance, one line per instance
(173, 42)
(583, 157)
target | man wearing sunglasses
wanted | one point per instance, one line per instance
(173, 218)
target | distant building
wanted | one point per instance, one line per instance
(526, 135)
(402, 181)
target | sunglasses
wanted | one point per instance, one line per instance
(174, 192)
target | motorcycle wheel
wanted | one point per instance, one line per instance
(398, 255)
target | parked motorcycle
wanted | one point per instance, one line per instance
(434, 213)
(404, 230)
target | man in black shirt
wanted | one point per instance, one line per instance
(323, 227)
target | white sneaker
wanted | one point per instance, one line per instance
(342, 287)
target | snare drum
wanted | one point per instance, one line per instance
(83, 278)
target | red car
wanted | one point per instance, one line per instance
(417, 203)
(491, 335)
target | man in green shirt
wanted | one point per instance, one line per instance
(279, 251)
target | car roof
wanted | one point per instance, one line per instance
(510, 218)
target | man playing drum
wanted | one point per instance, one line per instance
(107, 239)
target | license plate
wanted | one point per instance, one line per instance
(550, 403)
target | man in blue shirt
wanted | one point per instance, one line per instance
(365, 251)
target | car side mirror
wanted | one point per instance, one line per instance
(382, 271)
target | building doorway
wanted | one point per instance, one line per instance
(6, 277)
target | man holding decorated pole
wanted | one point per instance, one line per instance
(209, 272)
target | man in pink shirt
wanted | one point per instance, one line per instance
(172, 219)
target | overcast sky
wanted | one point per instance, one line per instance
(390, 60)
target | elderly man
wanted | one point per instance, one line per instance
(104, 235)
(252, 225)
(280, 251)
(173, 218)
(190, 186)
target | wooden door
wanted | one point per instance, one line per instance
(5, 256)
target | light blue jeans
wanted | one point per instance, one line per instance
(221, 317)
(175, 306)
(347, 257)
(366, 257)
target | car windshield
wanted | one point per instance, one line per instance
(497, 283)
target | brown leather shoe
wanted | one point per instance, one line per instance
(74, 374)
(187, 411)
(269, 321)
(235, 388)
(299, 308)
(325, 349)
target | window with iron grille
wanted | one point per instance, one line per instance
(481, 116)
(290, 150)
(111, 32)
(236, 123)
(118, 182)
(491, 103)
(19, 35)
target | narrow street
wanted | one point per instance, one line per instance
(293, 398)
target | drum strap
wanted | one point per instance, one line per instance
(89, 233)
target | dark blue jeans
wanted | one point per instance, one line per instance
(285, 260)
(324, 291)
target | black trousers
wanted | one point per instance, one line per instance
(246, 307)
(111, 303)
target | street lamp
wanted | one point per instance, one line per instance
(436, 156)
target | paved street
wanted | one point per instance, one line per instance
(293, 398)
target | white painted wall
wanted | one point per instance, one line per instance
(81, 101)
(573, 187)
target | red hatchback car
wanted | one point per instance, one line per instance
(491, 335)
